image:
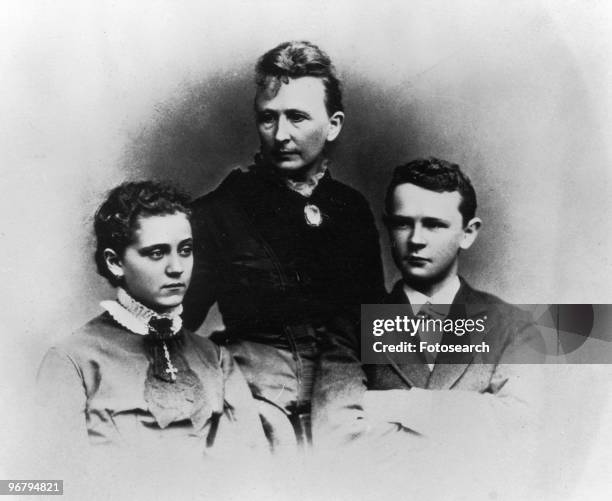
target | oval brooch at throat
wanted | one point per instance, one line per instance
(313, 215)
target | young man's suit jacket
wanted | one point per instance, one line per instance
(482, 389)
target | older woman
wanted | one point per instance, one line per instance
(132, 376)
(284, 249)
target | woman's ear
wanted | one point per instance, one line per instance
(113, 263)
(335, 126)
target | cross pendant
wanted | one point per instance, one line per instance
(172, 371)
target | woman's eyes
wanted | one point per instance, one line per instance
(155, 254)
(271, 119)
(267, 119)
(186, 251)
(160, 253)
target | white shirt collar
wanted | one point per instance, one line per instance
(135, 316)
(446, 295)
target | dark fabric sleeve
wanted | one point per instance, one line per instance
(370, 271)
(203, 291)
(340, 381)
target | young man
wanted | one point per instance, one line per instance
(431, 219)
(282, 247)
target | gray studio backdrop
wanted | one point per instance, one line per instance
(95, 93)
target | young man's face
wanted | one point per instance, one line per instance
(294, 125)
(427, 232)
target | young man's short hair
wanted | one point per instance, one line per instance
(436, 175)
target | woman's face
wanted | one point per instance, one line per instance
(294, 125)
(156, 267)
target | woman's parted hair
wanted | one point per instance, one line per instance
(297, 59)
(116, 219)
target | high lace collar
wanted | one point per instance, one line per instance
(135, 316)
(304, 188)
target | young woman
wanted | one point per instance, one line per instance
(132, 376)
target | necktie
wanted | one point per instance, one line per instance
(430, 329)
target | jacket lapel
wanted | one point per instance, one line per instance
(450, 367)
(414, 372)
